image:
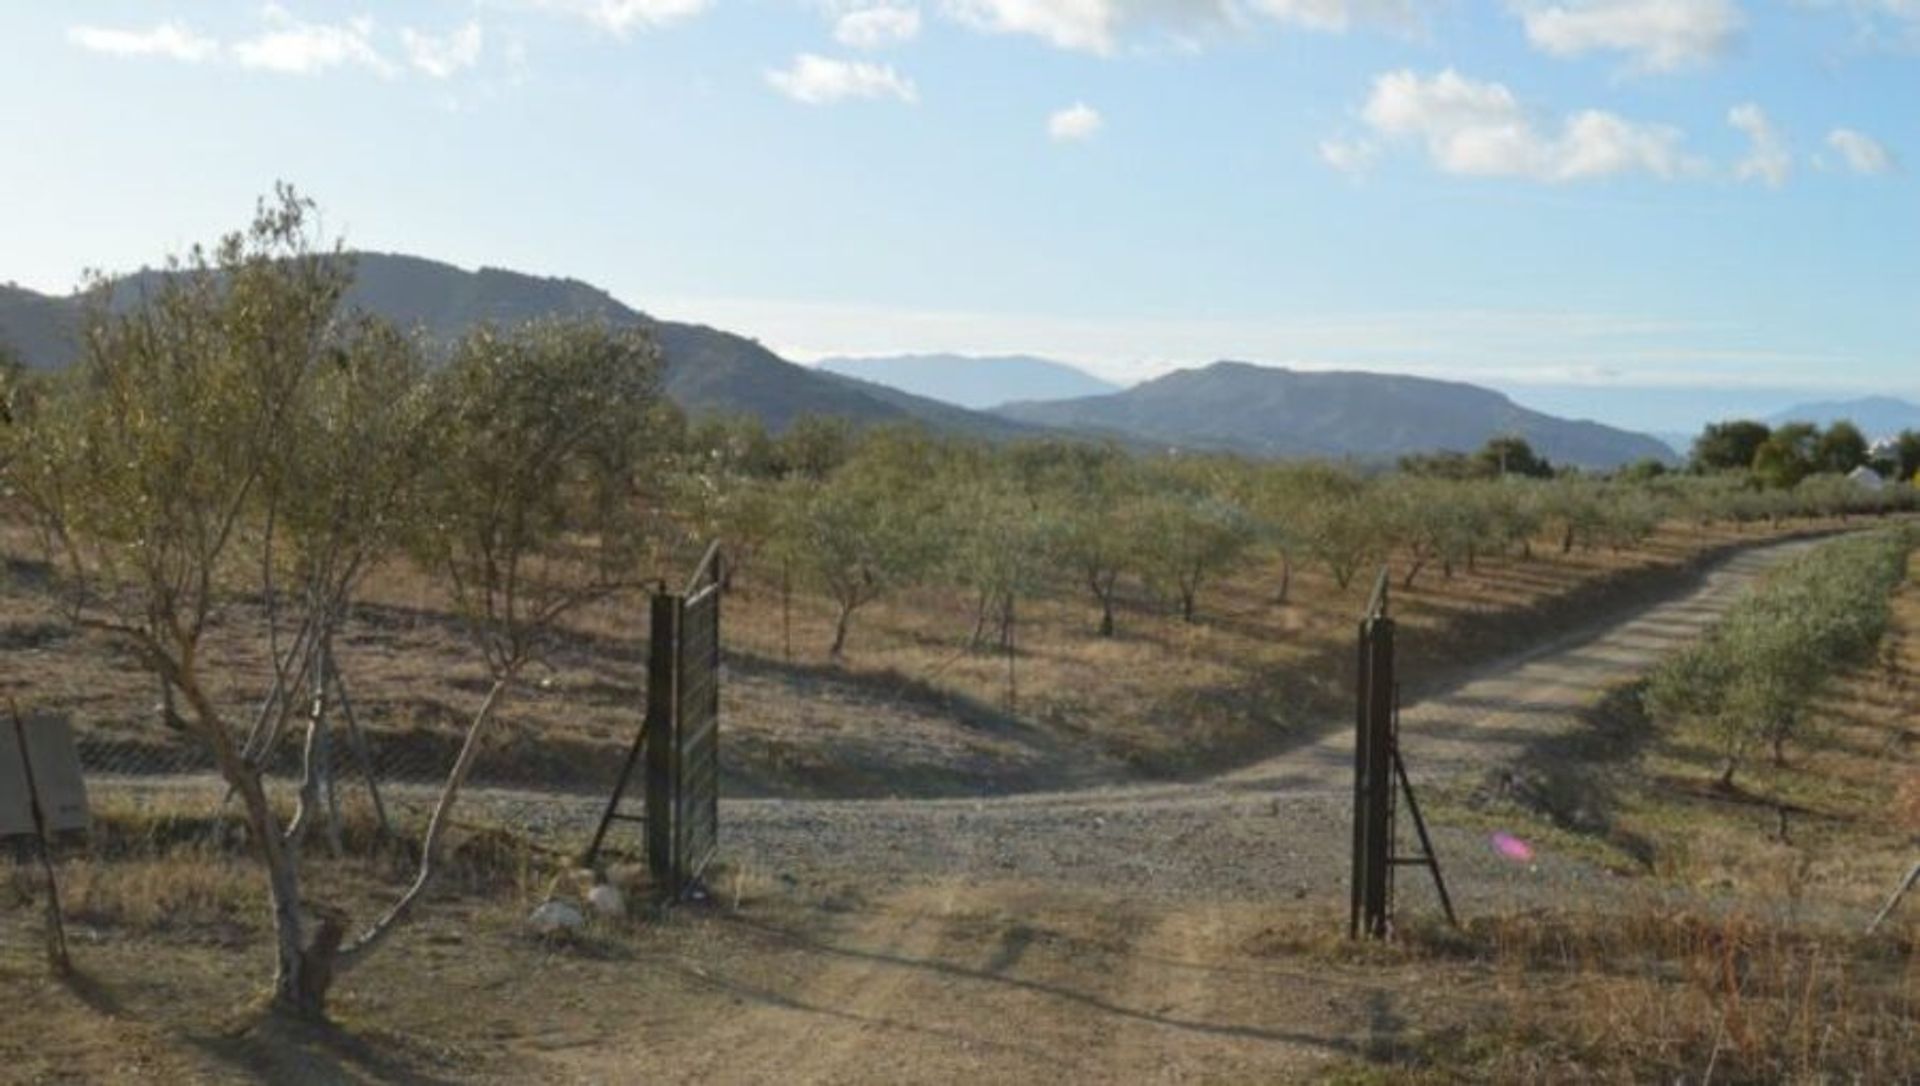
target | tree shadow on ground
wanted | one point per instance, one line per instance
(281, 1050)
(987, 976)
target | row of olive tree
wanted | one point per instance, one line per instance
(236, 436)
(1752, 680)
(856, 516)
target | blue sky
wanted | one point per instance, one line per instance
(1646, 211)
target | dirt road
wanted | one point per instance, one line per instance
(1111, 934)
(1121, 934)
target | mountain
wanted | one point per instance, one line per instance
(945, 416)
(709, 371)
(1269, 411)
(973, 382)
(38, 328)
(1877, 416)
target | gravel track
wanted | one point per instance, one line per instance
(1278, 827)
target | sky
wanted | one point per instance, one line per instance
(1651, 212)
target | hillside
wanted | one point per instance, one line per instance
(709, 371)
(973, 382)
(36, 327)
(1269, 411)
(1877, 416)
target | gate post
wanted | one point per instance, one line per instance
(1377, 769)
(678, 747)
(1373, 779)
(1373, 771)
(662, 724)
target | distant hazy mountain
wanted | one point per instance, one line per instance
(1877, 416)
(1270, 411)
(973, 382)
(1680, 443)
(708, 370)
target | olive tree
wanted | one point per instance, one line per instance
(338, 494)
(1098, 494)
(542, 440)
(232, 395)
(145, 468)
(866, 529)
(1342, 529)
(1002, 542)
(1185, 537)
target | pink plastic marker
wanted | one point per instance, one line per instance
(1512, 847)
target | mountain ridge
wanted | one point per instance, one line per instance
(708, 370)
(1229, 406)
(1276, 411)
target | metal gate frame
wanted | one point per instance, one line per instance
(683, 760)
(1379, 779)
(678, 748)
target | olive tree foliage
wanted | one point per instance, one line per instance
(19, 394)
(544, 441)
(1339, 527)
(1752, 681)
(338, 496)
(1098, 495)
(1275, 497)
(1187, 531)
(1001, 542)
(866, 529)
(146, 467)
(232, 435)
(1434, 521)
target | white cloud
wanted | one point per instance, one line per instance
(819, 81)
(1076, 123)
(1097, 26)
(620, 17)
(1354, 157)
(440, 56)
(877, 27)
(1661, 35)
(302, 48)
(1337, 16)
(171, 40)
(1479, 129)
(1893, 23)
(1861, 152)
(1087, 25)
(1768, 159)
(1094, 26)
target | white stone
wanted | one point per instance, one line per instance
(555, 917)
(608, 901)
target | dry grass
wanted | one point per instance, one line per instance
(1656, 994)
(1743, 962)
(911, 711)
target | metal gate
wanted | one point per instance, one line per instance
(1373, 771)
(1379, 779)
(679, 740)
(683, 698)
